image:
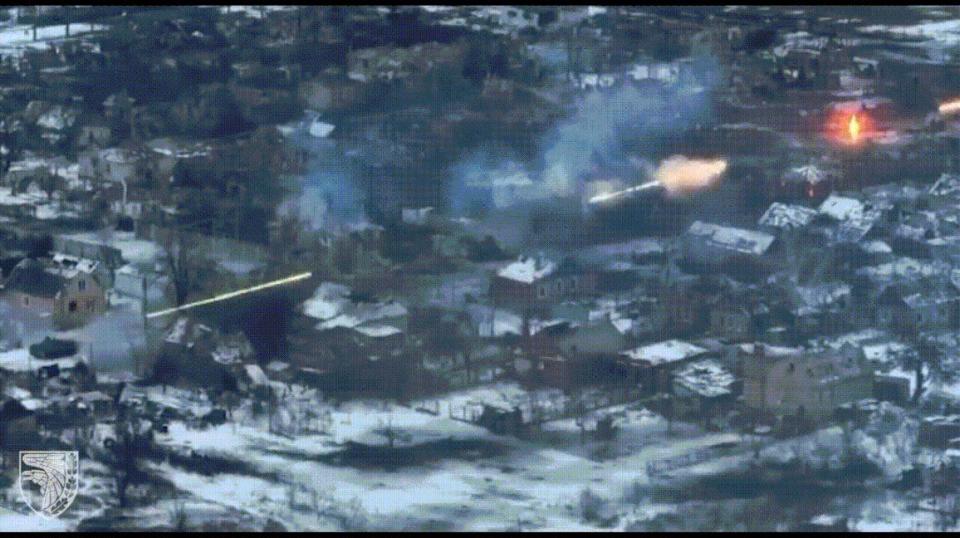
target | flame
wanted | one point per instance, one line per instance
(854, 128)
(949, 107)
(677, 175)
(680, 175)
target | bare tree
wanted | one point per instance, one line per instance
(230, 400)
(184, 263)
(179, 516)
(125, 449)
(49, 182)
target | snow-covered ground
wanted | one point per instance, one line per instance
(15, 39)
(295, 468)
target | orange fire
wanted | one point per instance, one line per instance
(853, 127)
(850, 126)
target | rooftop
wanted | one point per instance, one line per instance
(841, 207)
(664, 352)
(706, 378)
(730, 238)
(528, 269)
(787, 216)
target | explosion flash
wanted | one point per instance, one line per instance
(949, 107)
(677, 175)
(680, 175)
(231, 294)
(853, 127)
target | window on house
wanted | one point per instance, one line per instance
(73, 306)
(26, 301)
(81, 284)
(542, 291)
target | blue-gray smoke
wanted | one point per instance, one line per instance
(608, 128)
(329, 196)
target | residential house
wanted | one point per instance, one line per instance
(785, 219)
(909, 308)
(704, 389)
(119, 165)
(66, 289)
(803, 387)
(739, 252)
(359, 340)
(534, 282)
(569, 355)
(166, 153)
(809, 182)
(820, 309)
(94, 133)
(651, 365)
(195, 355)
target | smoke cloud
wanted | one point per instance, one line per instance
(613, 129)
(329, 197)
(112, 340)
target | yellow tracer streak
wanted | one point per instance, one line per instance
(231, 295)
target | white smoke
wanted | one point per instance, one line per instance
(610, 126)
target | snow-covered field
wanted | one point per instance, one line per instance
(296, 470)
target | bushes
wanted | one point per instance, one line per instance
(596, 509)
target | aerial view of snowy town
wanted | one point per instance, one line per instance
(479, 268)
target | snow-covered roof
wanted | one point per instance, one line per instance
(856, 338)
(378, 331)
(706, 378)
(728, 237)
(876, 247)
(769, 351)
(327, 301)
(809, 173)
(930, 297)
(57, 118)
(496, 323)
(822, 295)
(904, 268)
(664, 352)
(623, 325)
(118, 155)
(70, 266)
(227, 354)
(180, 332)
(528, 269)
(946, 185)
(787, 216)
(16, 392)
(321, 129)
(358, 314)
(886, 352)
(178, 149)
(256, 374)
(19, 360)
(841, 207)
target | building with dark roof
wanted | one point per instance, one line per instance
(71, 294)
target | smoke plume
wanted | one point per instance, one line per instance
(614, 129)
